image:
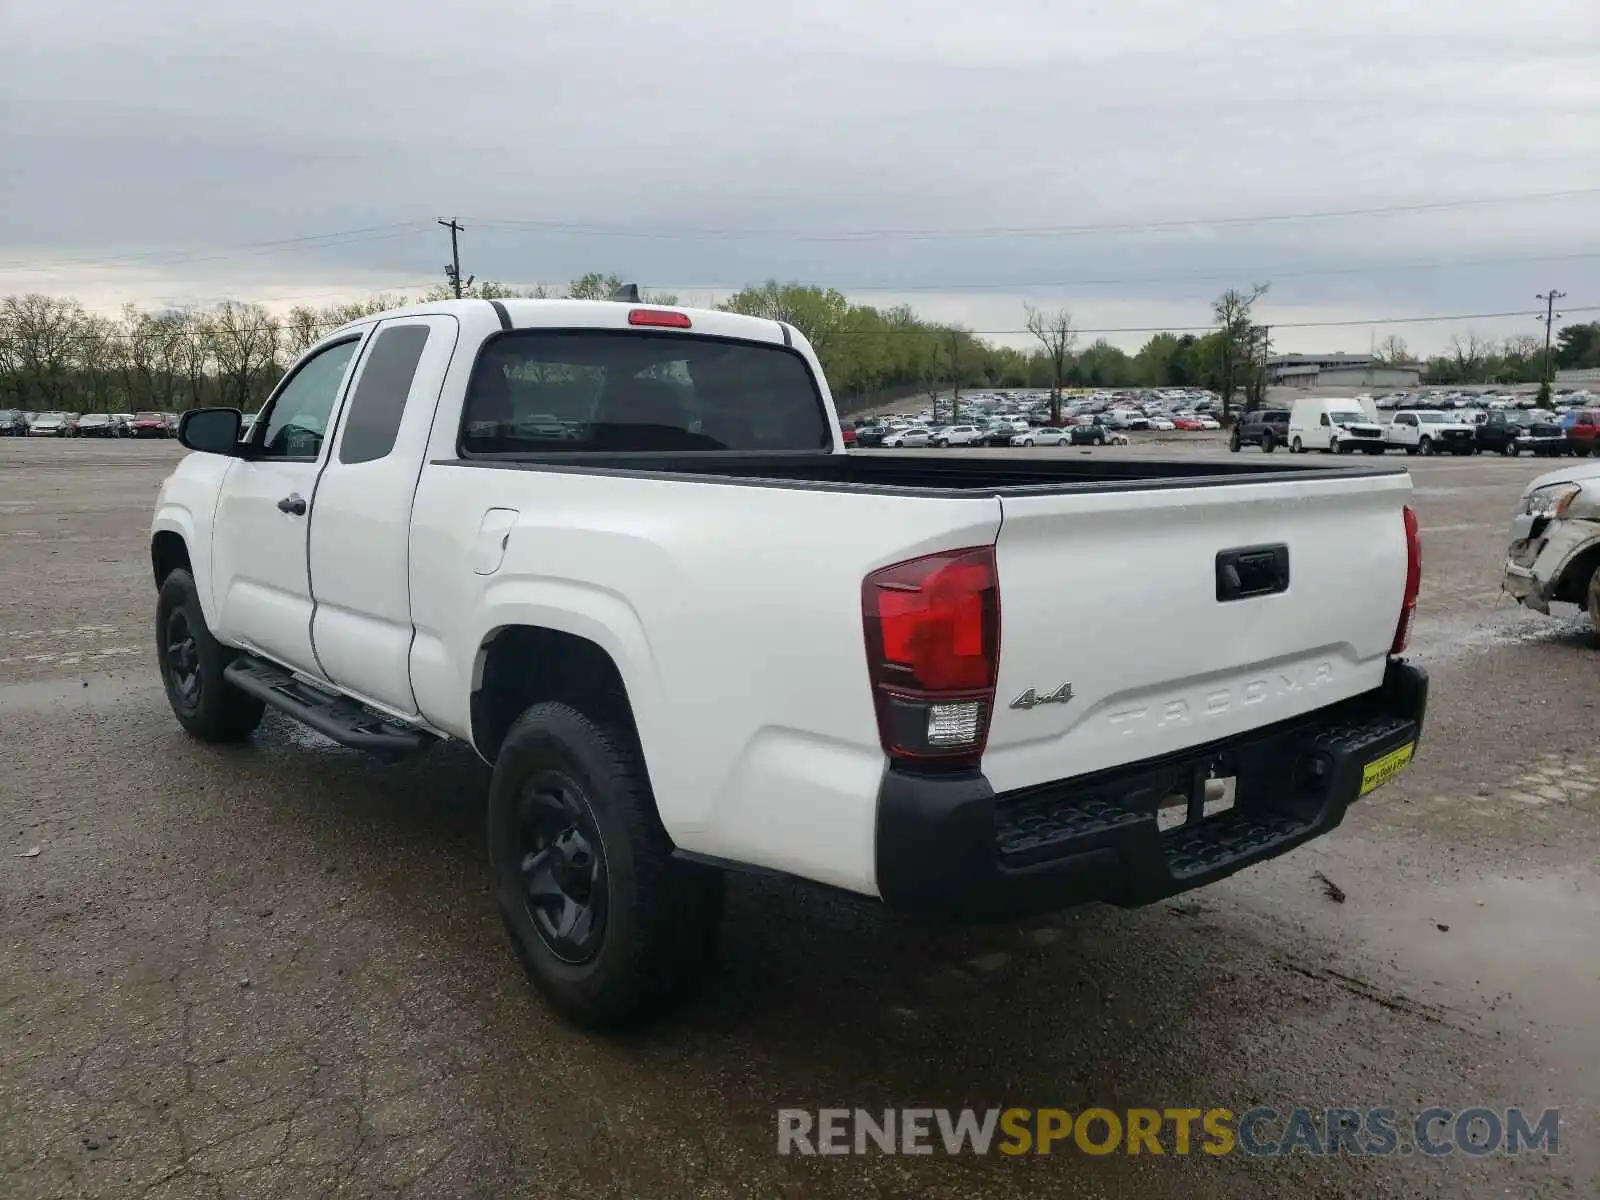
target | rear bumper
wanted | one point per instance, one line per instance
(949, 847)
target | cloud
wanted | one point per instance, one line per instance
(659, 141)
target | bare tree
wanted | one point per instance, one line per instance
(195, 356)
(301, 329)
(1523, 345)
(1231, 312)
(245, 343)
(1054, 332)
(96, 351)
(43, 334)
(171, 339)
(1393, 349)
(1471, 354)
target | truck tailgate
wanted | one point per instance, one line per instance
(1117, 596)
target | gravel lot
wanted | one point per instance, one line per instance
(277, 970)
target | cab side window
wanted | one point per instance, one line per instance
(298, 419)
(1323, 420)
(379, 401)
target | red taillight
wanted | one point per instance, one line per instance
(1408, 608)
(663, 318)
(933, 650)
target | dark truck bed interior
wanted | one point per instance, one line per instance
(944, 472)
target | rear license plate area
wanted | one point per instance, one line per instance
(1208, 794)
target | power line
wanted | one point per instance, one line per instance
(397, 229)
(912, 234)
(1233, 273)
(932, 326)
(310, 241)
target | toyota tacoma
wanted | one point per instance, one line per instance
(618, 550)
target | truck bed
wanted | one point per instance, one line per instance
(941, 473)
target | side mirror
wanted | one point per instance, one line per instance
(211, 430)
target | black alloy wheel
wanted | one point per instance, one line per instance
(562, 865)
(183, 659)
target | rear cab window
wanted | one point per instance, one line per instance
(541, 391)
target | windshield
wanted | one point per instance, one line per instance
(1348, 417)
(632, 391)
(1431, 418)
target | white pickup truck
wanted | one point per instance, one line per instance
(619, 551)
(1427, 432)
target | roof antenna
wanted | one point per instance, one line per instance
(628, 293)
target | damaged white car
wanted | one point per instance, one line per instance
(1555, 543)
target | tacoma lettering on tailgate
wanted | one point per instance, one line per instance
(1220, 700)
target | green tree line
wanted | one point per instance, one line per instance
(56, 355)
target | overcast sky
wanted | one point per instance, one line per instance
(1102, 155)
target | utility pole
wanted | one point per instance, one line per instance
(1260, 378)
(955, 377)
(1266, 365)
(454, 269)
(1551, 316)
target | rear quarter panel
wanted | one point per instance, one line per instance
(733, 614)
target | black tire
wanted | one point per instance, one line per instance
(1426, 446)
(943, 443)
(1513, 449)
(652, 943)
(1592, 601)
(1297, 446)
(192, 662)
(1268, 443)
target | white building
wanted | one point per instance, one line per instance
(1340, 370)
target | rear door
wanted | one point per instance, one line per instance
(1185, 667)
(258, 564)
(360, 539)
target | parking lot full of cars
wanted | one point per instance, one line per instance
(19, 423)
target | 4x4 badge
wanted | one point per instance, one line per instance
(1059, 695)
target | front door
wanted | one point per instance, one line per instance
(261, 578)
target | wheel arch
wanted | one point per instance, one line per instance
(1572, 580)
(519, 665)
(168, 553)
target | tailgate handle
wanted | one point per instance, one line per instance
(1252, 571)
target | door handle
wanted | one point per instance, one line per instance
(292, 504)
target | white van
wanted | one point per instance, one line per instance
(1337, 425)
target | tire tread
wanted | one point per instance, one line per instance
(672, 908)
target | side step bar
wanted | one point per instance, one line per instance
(344, 720)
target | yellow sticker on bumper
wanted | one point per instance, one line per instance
(1381, 770)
